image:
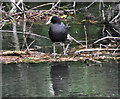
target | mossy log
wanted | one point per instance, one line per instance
(37, 57)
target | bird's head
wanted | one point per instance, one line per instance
(54, 19)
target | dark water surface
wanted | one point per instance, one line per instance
(64, 79)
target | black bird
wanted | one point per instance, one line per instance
(57, 32)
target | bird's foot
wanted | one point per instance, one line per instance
(65, 53)
(54, 54)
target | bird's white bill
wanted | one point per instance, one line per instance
(49, 21)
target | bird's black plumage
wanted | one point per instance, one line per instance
(57, 31)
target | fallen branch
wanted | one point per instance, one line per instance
(37, 57)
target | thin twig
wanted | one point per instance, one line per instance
(41, 6)
(85, 35)
(55, 5)
(74, 7)
(116, 50)
(103, 30)
(33, 34)
(103, 12)
(69, 37)
(118, 15)
(2, 24)
(108, 33)
(107, 37)
(14, 6)
(103, 3)
(29, 45)
(116, 30)
(24, 28)
(94, 49)
(17, 6)
(91, 4)
(96, 61)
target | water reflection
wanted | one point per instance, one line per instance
(60, 78)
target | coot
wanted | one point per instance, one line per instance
(57, 32)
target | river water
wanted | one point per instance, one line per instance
(63, 79)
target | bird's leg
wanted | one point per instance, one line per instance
(68, 46)
(53, 47)
(54, 54)
(64, 49)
